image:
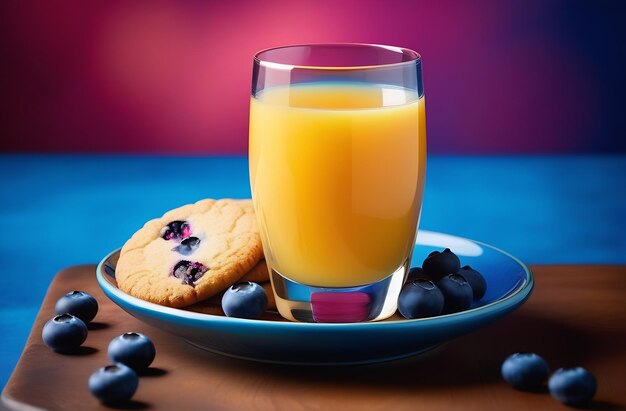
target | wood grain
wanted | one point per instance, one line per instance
(576, 316)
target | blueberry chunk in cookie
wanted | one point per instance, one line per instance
(176, 230)
(187, 246)
(189, 272)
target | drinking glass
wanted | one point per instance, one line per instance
(337, 162)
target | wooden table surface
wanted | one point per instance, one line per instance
(576, 316)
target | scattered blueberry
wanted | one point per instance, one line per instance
(64, 333)
(188, 245)
(439, 264)
(176, 230)
(189, 272)
(475, 280)
(113, 384)
(572, 386)
(525, 371)
(420, 298)
(133, 350)
(457, 292)
(415, 273)
(244, 300)
(79, 304)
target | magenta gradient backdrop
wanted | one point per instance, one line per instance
(174, 77)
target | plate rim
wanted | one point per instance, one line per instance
(508, 301)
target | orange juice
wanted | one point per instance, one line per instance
(337, 172)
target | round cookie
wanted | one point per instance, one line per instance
(191, 253)
(258, 274)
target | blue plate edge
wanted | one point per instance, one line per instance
(198, 320)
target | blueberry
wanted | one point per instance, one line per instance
(188, 245)
(79, 304)
(525, 371)
(113, 384)
(420, 298)
(457, 293)
(244, 300)
(64, 333)
(176, 230)
(572, 386)
(133, 350)
(189, 272)
(439, 264)
(415, 273)
(476, 280)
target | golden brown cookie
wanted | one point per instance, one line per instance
(191, 253)
(258, 274)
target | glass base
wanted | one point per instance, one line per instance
(370, 302)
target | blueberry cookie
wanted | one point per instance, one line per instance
(191, 253)
(258, 274)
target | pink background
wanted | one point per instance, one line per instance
(174, 77)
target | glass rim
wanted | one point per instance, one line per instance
(414, 57)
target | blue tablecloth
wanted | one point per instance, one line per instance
(61, 210)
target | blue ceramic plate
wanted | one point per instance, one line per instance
(509, 283)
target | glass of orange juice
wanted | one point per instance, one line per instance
(337, 163)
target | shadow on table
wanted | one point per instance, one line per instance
(600, 405)
(471, 359)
